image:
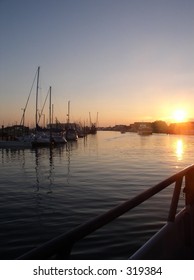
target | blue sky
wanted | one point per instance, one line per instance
(128, 60)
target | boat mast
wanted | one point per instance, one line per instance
(37, 87)
(50, 105)
(22, 122)
(97, 120)
(90, 119)
(50, 114)
(68, 115)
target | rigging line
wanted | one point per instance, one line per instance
(24, 110)
(43, 107)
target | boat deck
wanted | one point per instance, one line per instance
(175, 241)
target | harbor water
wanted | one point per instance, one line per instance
(46, 192)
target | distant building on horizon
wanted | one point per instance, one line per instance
(185, 128)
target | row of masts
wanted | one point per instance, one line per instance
(93, 125)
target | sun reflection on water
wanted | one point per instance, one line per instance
(179, 149)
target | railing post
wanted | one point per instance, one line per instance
(189, 187)
(175, 199)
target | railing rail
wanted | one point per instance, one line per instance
(61, 246)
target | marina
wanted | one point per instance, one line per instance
(97, 139)
(48, 192)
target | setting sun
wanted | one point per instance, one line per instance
(179, 115)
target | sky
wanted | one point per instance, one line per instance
(127, 60)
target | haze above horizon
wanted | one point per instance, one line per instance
(127, 60)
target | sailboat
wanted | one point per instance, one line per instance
(41, 138)
(93, 126)
(19, 143)
(46, 138)
(59, 138)
(71, 132)
(21, 140)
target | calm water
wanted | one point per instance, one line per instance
(44, 193)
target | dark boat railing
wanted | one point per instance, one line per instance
(61, 246)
